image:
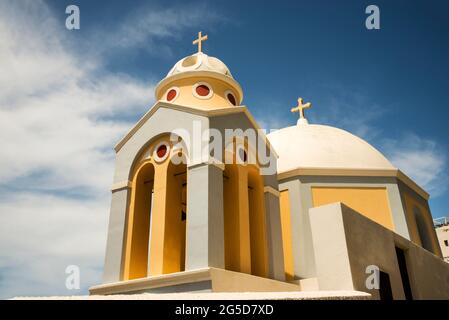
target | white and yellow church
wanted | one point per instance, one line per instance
(331, 212)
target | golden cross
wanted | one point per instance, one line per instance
(301, 107)
(200, 40)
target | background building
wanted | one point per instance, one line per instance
(442, 230)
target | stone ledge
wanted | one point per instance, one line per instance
(205, 280)
(305, 295)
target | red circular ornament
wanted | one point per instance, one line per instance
(171, 95)
(231, 99)
(161, 151)
(202, 90)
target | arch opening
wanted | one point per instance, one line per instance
(258, 236)
(175, 218)
(155, 238)
(244, 219)
(138, 235)
(421, 225)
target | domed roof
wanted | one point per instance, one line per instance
(320, 146)
(200, 64)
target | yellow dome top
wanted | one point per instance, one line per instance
(200, 65)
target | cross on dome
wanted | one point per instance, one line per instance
(199, 41)
(300, 109)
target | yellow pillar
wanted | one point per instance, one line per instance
(236, 219)
(284, 202)
(259, 244)
(158, 221)
(244, 220)
(175, 226)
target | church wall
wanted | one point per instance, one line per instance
(301, 200)
(412, 200)
(371, 202)
(353, 242)
(429, 273)
(396, 210)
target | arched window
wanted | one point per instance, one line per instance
(244, 218)
(175, 218)
(157, 215)
(423, 232)
(258, 235)
(136, 265)
(231, 97)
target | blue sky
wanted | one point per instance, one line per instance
(394, 79)
(67, 96)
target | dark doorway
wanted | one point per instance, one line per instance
(385, 287)
(400, 254)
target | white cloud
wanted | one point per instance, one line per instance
(144, 26)
(420, 158)
(60, 114)
(148, 23)
(351, 111)
(42, 234)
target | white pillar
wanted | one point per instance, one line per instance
(205, 221)
(274, 235)
(116, 232)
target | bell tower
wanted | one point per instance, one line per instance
(195, 197)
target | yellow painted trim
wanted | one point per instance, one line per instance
(287, 240)
(396, 173)
(200, 74)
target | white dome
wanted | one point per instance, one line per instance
(200, 62)
(319, 146)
